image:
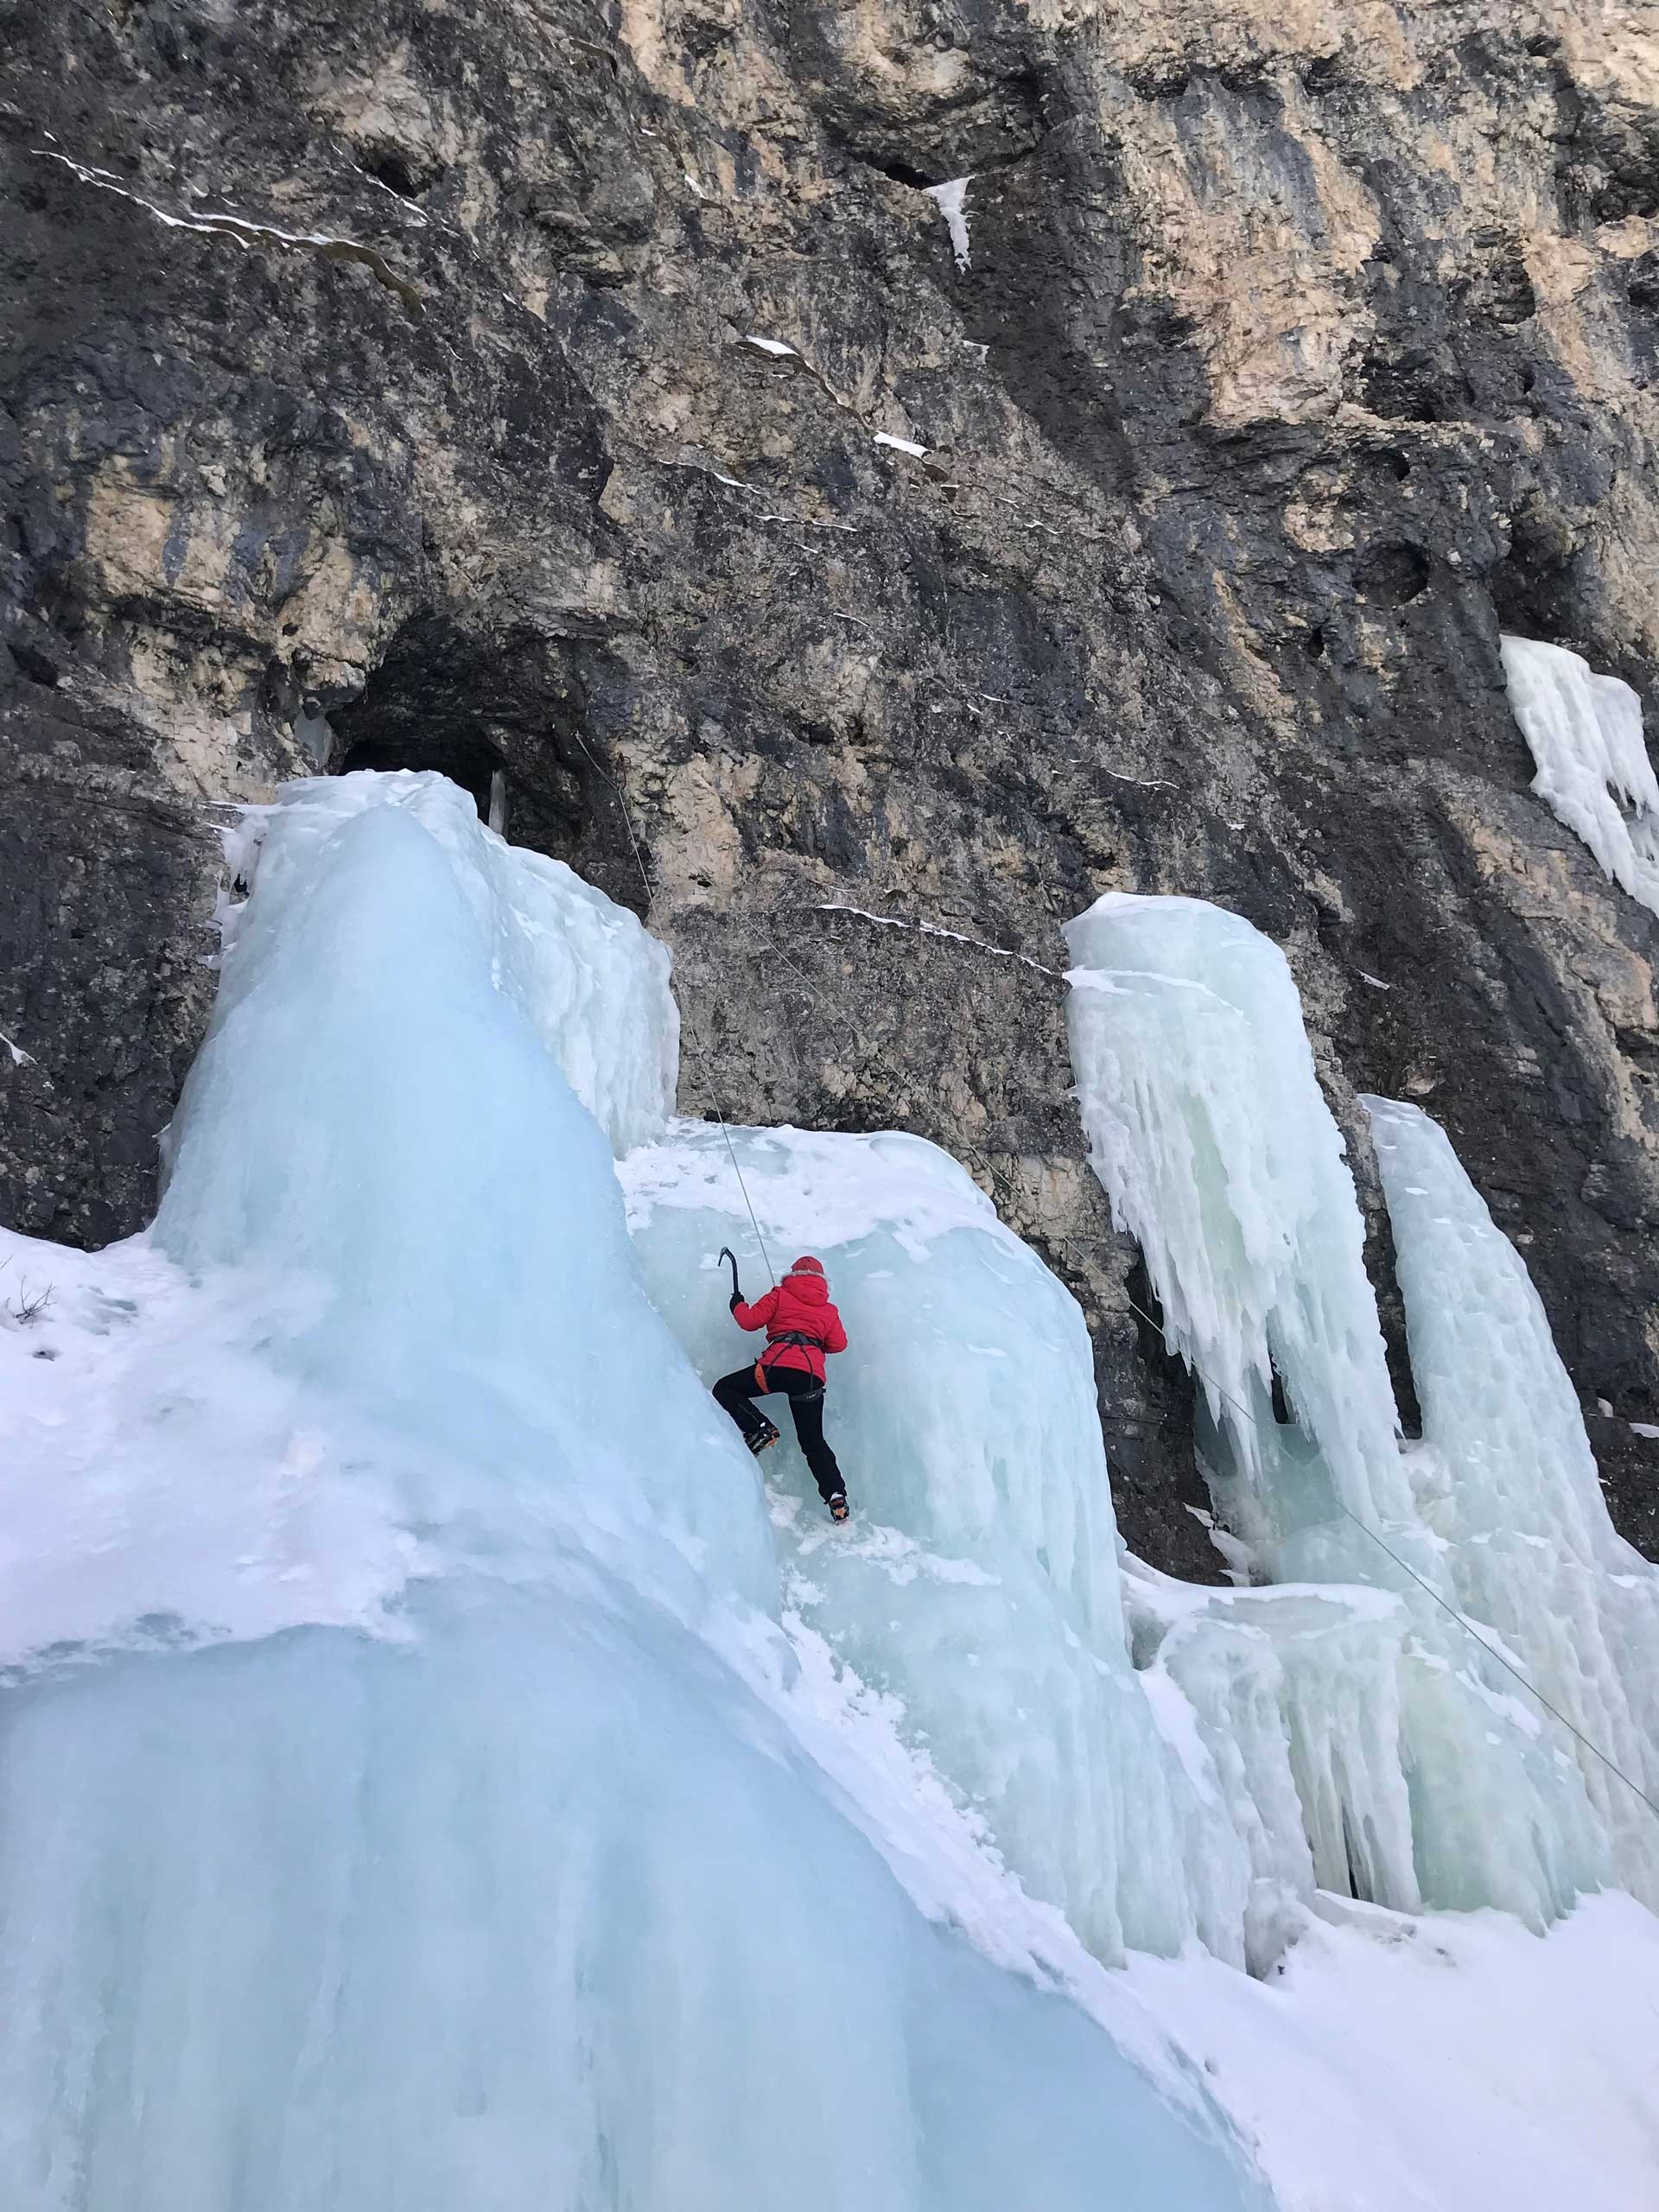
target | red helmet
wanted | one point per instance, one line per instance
(806, 1265)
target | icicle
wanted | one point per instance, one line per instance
(1584, 732)
(1509, 1484)
(1209, 1130)
(951, 200)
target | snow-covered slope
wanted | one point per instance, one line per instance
(1450, 2062)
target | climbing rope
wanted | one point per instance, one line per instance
(1462, 1620)
(1450, 1611)
(686, 1025)
(1428, 1588)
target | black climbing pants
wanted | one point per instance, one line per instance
(737, 1393)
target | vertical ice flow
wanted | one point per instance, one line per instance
(951, 200)
(379, 1115)
(1584, 733)
(1296, 1698)
(1508, 1485)
(520, 1894)
(980, 1584)
(1208, 1129)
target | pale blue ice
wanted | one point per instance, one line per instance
(513, 1892)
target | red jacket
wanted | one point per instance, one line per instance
(800, 1305)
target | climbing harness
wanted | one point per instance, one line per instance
(796, 1337)
(784, 1336)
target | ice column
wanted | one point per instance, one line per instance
(1584, 732)
(1208, 1129)
(979, 1584)
(387, 1115)
(1508, 1483)
(526, 1890)
(951, 200)
(1295, 1693)
(588, 978)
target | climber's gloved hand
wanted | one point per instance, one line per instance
(735, 1301)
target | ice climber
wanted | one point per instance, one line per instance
(802, 1327)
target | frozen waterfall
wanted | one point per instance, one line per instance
(1584, 733)
(1446, 1784)
(980, 1585)
(1505, 1479)
(408, 1798)
(437, 1772)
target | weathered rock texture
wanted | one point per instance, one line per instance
(380, 387)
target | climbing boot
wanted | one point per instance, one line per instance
(839, 1508)
(764, 1437)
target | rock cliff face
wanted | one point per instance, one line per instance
(381, 386)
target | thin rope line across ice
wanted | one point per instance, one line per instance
(687, 1025)
(928, 929)
(1466, 1626)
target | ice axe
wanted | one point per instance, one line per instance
(730, 1257)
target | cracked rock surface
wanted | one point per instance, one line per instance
(378, 387)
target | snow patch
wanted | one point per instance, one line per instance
(811, 1191)
(935, 929)
(1440, 2064)
(245, 231)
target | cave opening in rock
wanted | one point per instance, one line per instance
(1536, 588)
(390, 166)
(504, 718)
(1391, 575)
(904, 172)
(1164, 1505)
(466, 757)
